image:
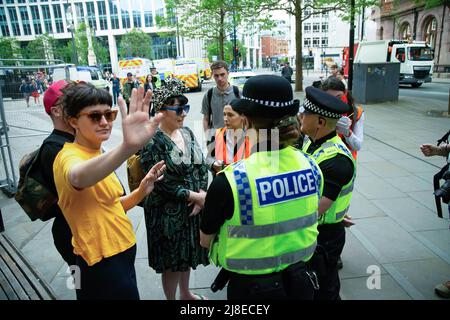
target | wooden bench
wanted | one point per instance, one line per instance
(18, 278)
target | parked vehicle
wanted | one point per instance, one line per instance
(89, 74)
(189, 73)
(239, 78)
(415, 58)
(139, 67)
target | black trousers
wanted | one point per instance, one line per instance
(112, 278)
(332, 239)
(62, 238)
(293, 283)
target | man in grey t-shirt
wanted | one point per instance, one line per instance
(222, 95)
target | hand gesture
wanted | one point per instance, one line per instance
(148, 183)
(137, 126)
(429, 150)
(343, 126)
(198, 200)
(348, 221)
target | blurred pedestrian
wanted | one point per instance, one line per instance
(287, 72)
(35, 92)
(127, 89)
(115, 88)
(25, 90)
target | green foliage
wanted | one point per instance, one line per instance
(213, 50)
(214, 20)
(39, 48)
(9, 48)
(136, 43)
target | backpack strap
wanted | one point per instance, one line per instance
(210, 92)
(236, 91)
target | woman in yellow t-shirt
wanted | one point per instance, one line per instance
(90, 194)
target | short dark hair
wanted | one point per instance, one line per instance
(77, 96)
(129, 74)
(219, 64)
(333, 83)
(182, 100)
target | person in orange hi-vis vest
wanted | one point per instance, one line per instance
(350, 127)
(230, 143)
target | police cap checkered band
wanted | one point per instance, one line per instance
(312, 108)
(271, 103)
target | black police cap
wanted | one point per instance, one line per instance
(324, 104)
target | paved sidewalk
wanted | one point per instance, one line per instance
(397, 231)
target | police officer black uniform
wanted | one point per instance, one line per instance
(260, 214)
(319, 115)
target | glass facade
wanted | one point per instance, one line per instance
(80, 12)
(137, 21)
(148, 14)
(47, 19)
(3, 23)
(102, 15)
(36, 20)
(126, 23)
(90, 9)
(58, 18)
(114, 14)
(164, 47)
(14, 21)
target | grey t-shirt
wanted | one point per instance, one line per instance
(219, 100)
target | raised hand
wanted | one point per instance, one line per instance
(137, 126)
(148, 183)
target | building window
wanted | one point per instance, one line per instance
(114, 12)
(90, 9)
(102, 15)
(307, 27)
(14, 21)
(325, 42)
(159, 8)
(25, 21)
(316, 27)
(80, 13)
(36, 20)
(3, 23)
(47, 19)
(136, 11)
(58, 18)
(316, 42)
(148, 14)
(325, 27)
(126, 22)
(307, 42)
(430, 31)
(405, 31)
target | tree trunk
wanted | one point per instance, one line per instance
(298, 47)
(222, 35)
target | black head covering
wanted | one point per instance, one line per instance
(267, 96)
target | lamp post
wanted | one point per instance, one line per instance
(71, 27)
(168, 44)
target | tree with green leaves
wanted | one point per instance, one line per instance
(42, 47)
(9, 49)
(213, 50)
(136, 43)
(215, 20)
(302, 10)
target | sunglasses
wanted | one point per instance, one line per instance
(96, 116)
(178, 109)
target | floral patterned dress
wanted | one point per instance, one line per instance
(172, 236)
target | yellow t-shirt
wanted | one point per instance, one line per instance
(98, 222)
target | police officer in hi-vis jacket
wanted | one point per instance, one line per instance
(319, 115)
(261, 213)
